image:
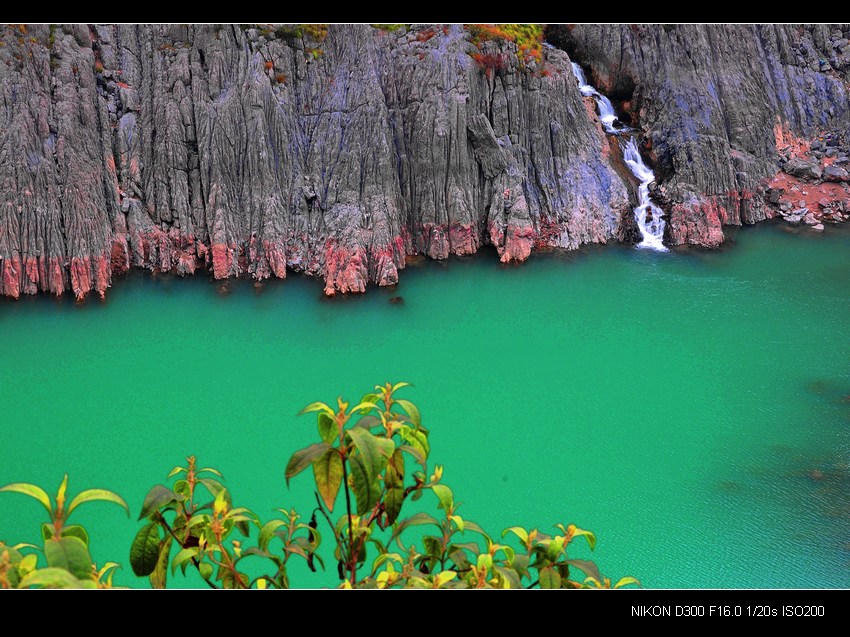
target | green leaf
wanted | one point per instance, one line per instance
(520, 564)
(369, 422)
(157, 498)
(587, 535)
(370, 398)
(444, 495)
(416, 453)
(205, 569)
(183, 557)
(267, 533)
(398, 386)
(411, 410)
(367, 490)
(416, 519)
(397, 465)
(317, 406)
(303, 458)
(90, 495)
(549, 577)
(472, 547)
(509, 576)
(51, 577)
(416, 439)
(29, 562)
(75, 530)
(160, 572)
(520, 532)
(362, 408)
(175, 471)
(433, 546)
(459, 558)
(626, 581)
(327, 471)
(444, 577)
(472, 526)
(46, 531)
(144, 552)
(71, 554)
(327, 428)
(587, 567)
(214, 487)
(458, 522)
(211, 470)
(374, 451)
(32, 491)
(392, 503)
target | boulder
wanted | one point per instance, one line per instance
(835, 173)
(803, 168)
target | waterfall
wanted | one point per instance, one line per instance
(606, 110)
(647, 215)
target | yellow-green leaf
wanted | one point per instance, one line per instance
(90, 495)
(32, 491)
(157, 498)
(374, 451)
(327, 427)
(71, 554)
(160, 572)
(28, 562)
(626, 581)
(327, 470)
(549, 577)
(367, 490)
(317, 406)
(50, 577)
(444, 577)
(444, 495)
(574, 532)
(392, 503)
(411, 410)
(303, 458)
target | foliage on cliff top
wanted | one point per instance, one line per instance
(317, 32)
(369, 462)
(527, 37)
(391, 27)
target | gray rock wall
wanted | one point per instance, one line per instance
(250, 150)
(715, 102)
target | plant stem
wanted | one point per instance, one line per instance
(352, 559)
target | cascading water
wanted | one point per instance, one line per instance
(648, 216)
(606, 110)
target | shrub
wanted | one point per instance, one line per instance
(391, 27)
(370, 459)
(528, 38)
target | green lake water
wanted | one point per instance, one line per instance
(689, 408)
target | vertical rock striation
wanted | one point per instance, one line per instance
(257, 150)
(721, 105)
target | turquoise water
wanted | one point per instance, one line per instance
(676, 404)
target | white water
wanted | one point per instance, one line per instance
(647, 214)
(606, 109)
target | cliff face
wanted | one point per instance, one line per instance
(341, 153)
(254, 151)
(725, 107)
